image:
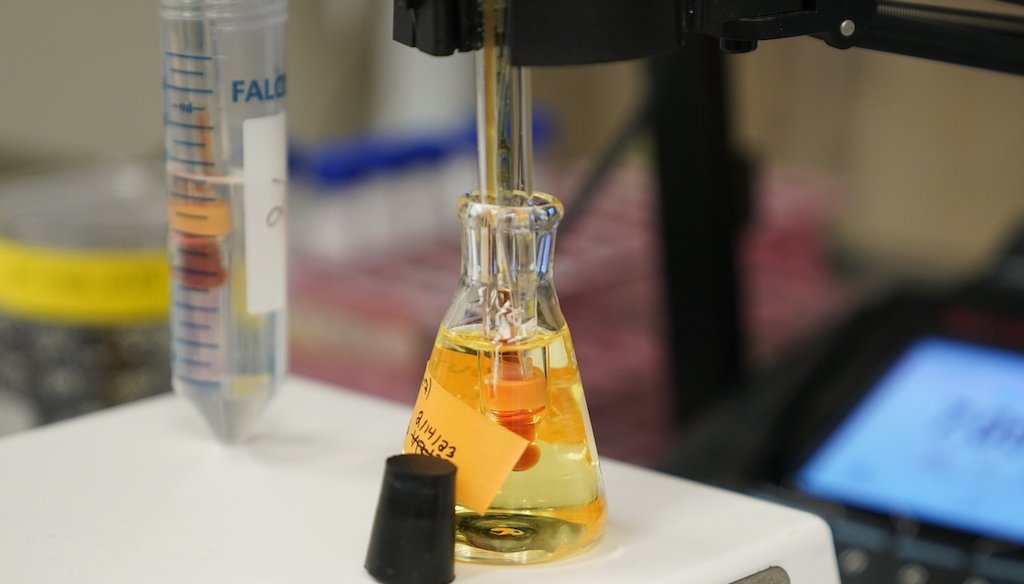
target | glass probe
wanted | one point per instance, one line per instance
(516, 392)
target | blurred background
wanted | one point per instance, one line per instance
(869, 171)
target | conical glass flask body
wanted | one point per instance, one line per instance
(504, 350)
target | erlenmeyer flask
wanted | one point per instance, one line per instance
(504, 350)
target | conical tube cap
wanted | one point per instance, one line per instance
(413, 538)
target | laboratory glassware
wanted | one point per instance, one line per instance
(224, 97)
(516, 366)
(504, 349)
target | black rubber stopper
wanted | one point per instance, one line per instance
(413, 539)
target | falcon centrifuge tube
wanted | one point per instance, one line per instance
(224, 89)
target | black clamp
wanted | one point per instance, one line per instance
(739, 25)
(571, 32)
(547, 32)
(438, 27)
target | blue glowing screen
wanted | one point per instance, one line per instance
(939, 438)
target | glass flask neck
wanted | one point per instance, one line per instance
(507, 254)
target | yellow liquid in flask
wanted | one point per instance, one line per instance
(554, 504)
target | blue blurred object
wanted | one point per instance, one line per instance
(343, 162)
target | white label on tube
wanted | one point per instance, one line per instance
(265, 163)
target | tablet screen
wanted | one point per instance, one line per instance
(939, 438)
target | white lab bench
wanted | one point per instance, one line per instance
(143, 494)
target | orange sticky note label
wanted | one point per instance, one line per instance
(210, 218)
(483, 451)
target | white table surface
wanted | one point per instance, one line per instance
(143, 494)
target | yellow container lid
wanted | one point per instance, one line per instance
(84, 246)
